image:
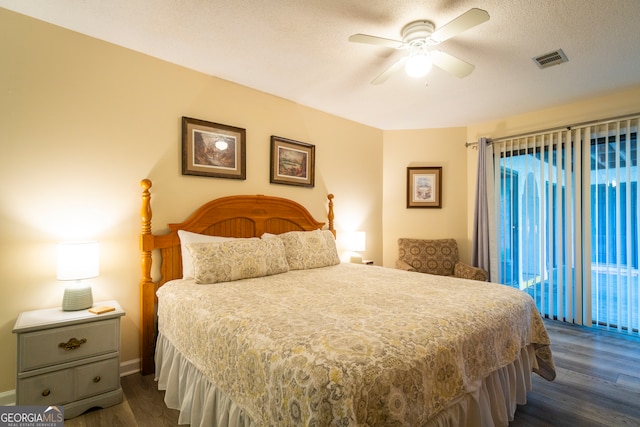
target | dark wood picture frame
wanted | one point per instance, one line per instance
(424, 187)
(212, 149)
(292, 162)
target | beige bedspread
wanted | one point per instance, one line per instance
(349, 344)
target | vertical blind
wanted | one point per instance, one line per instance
(613, 195)
(566, 221)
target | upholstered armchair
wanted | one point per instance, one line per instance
(435, 257)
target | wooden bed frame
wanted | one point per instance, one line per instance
(233, 216)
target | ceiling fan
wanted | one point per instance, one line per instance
(418, 37)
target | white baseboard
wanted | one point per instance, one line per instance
(8, 398)
(130, 367)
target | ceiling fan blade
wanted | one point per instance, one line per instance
(451, 64)
(384, 76)
(380, 41)
(462, 23)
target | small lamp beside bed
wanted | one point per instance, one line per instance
(77, 261)
(353, 242)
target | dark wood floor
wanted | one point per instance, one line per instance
(598, 384)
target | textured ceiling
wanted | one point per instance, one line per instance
(298, 50)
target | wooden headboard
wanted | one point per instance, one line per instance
(233, 216)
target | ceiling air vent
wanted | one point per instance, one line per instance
(550, 59)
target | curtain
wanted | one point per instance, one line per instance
(480, 256)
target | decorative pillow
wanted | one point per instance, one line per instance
(237, 259)
(187, 237)
(310, 249)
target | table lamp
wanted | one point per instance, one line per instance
(355, 241)
(77, 261)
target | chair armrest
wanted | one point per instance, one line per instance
(466, 271)
(401, 265)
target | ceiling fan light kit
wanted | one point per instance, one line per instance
(418, 37)
(415, 36)
(418, 64)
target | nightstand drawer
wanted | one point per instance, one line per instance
(96, 378)
(46, 389)
(58, 345)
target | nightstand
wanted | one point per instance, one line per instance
(69, 358)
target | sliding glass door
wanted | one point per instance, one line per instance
(567, 222)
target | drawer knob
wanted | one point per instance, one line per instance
(97, 379)
(72, 344)
(46, 392)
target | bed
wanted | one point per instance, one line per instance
(298, 338)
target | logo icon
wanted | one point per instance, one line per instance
(31, 416)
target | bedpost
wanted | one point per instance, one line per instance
(147, 287)
(330, 214)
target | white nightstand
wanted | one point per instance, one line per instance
(69, 358)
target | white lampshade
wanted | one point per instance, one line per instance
(352, 242)
(77, 261)
(355, 241)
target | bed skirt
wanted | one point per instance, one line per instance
(490, 402)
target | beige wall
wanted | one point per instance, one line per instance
(433, 147)
(612, 104)
(83, 121)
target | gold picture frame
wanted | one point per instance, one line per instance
(212, 149)
(292, 162)
(424, 187)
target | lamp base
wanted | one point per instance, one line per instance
(77, 297)
(356, 259)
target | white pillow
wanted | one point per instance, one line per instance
(237, 259)
(187, 237)
(310, 249)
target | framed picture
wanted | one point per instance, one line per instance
(212, 149)
(424, 187)
(292, 162)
